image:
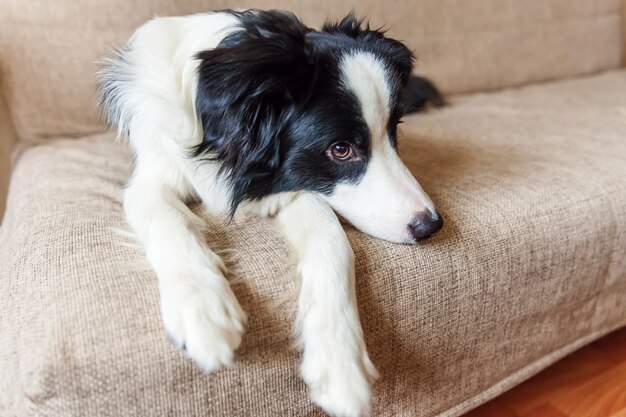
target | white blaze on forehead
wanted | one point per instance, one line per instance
(387, 198)
(366, 76)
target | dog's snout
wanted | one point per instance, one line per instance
(425, 224)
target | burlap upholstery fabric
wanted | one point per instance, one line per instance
(529, 266)
(48, 48)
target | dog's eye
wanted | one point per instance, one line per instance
(342, 151)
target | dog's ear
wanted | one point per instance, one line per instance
(420, 92)
(247, 89)
(395, 52)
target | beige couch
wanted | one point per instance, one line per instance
(530, 265)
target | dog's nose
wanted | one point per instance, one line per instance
(425, 224)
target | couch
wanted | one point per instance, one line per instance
(526, 164)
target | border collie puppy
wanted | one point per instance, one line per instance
(251, 111)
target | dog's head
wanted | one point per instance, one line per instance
(286, 108)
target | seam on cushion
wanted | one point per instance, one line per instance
(34, 139)
(525, 373)
(615, 247)
(23, 145)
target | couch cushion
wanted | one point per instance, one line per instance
(48, 49)
(529, 266)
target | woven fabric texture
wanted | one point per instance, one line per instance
(48, 49)
(529, 265)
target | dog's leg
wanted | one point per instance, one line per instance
(198, 307)
(335, 363)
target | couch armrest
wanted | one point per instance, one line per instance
(7, 140)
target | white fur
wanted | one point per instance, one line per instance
(335, 365)
(155, 108)
(398, 195)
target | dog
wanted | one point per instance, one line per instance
(254, 112)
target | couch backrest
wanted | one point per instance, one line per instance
(48, 48)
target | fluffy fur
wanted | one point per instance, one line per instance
(253, 111)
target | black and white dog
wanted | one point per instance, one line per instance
(252, 111)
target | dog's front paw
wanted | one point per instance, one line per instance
(339, 382)
(204, 318)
